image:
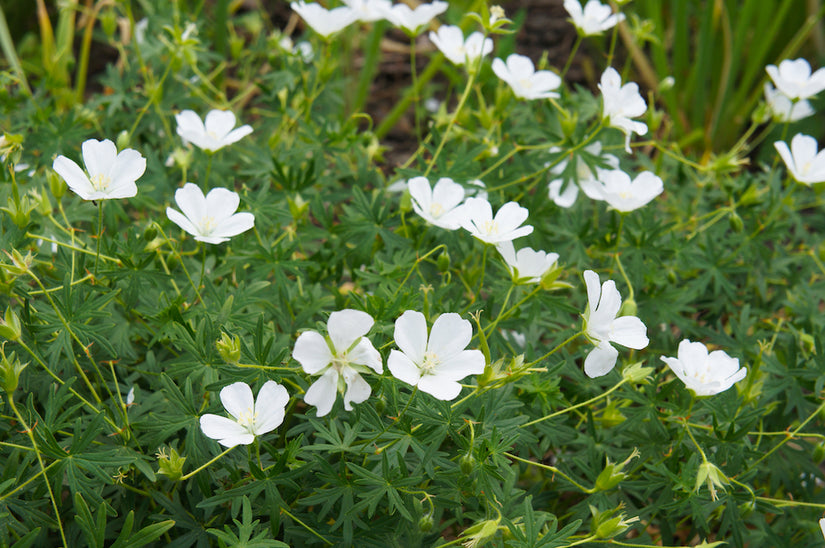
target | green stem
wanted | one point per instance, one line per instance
(305, 526)
(582, 404)
(402, 105)
(556, 349)
(552, 469)
(30, 434)
(204, 466)
(99, 231)
(572, 55)
(790, 436)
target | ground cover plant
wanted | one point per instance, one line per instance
(564, 319)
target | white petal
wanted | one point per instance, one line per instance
(402, 368)
(237, 399)
(99, 156)
(221, 203)
(365, 353)
(128, 167)
(269, 407)
(234, 225)
(439, 388)
(237, 134)
(466, 362)
(191, 202)
(312, 352)
(449, 335)
(357, 388)
(594, 289)
(411, 335)
(219, 123)
(74, 177)
(179, 219)
(227, 432)
(629, 331)
(346, 326)
(323, 392)
(601, 360)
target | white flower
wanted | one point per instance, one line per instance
(251, 417)
(450, 40)
(130, 396)
(615, 187)
(705, 374)
(802, 159)
(822, 525)
(621, 103)
(794, 79)
(478, 219)
(212, 135)
(413, 21)
(783, 109)
(323, 21)
(603, 327)
(339, 361)
(110, 174)
(211, 218)
(585, 176)
(594, 19)
(527, 266)
(304, 51)
(522, 77)
(434, 363)
(438, 206)
(369, 10)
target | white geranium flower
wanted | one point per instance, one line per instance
(783, 109)
(211, 218)
(794, 79)
(339, 360)
(110, 174)
(434, 363)
(804, 162)
(621, 103)
(412, 21)
(527, 265)
(615, 187)
(705, 374)
(594, 19)
(526, 82)
(251, 418)
(585, 176)
(439, 206)
(602, 326)
(212, 135)
(368, 11)
(130, 396)
(323, 21)
(450, 40)
(822, 525)
(478, 219)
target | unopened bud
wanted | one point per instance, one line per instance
(56, 185)
(123, 139)
(467, 463)
(10, 369)
(229, 348)
(425, 524)
(629, 307)
(10, 326)
(736, 223)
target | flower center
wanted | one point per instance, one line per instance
(489, 227)
(208, 224)
(430, 362)
(247, 418)
(437, 210)
(525, 83)
(100, 181)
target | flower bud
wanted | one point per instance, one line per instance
(425, 524)
(629, 307)
(613, 474)
(20, 264)
(818, 454)
(10, 326)
(56, 185)
(568, 123)
(608, 524)
(171, 465)
(406, 202)
(481, 532)
(123, 139)
(298, 207)
(709, 473)
(467, 464)
(150, 232)
(10, 369)
(443, 261)
(636, 373)
(229, 348)
(736, 223)
(108, 20)
(42, 202)
(380, 404)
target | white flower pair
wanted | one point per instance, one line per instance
(434, 363)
